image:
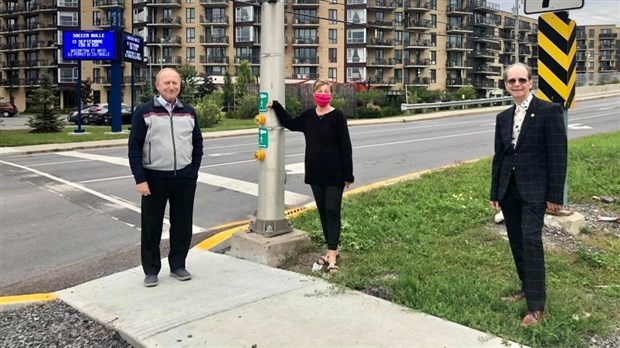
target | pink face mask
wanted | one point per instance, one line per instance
(322, 99)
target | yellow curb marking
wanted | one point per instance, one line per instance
(27, 298)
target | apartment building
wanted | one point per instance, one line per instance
(598, 50)
(388, 44)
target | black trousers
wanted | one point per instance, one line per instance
(524, 222)
(328, 202)
(180, 192)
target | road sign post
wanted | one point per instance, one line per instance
(556, 63)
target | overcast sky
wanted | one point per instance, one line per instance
(593, 11)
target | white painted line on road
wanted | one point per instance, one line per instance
(578, 126)
(111, 199)
(250, 188)
(107, 179)
(422, 139)
(56, 163)
(295, 168)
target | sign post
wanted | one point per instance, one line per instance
(556, 63)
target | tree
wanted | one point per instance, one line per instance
(188, 83)
(244, 78)
(44, 98)
(86, 92)
(146, 92)
(229, 91)
(207, 86)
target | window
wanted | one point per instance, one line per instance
(333, 36)
(356, 36)
(190, 53)
(244, 34)
(96, 18)
(356, 16)
(333, 16)
(244, 14)
(333, 55)
(591, 32)
(591, 54)
(68, 19)
(67, 3)
(332, 74)
(356, 55)
(433, 76)
(190, 15)
(356, 74)
(190, 35)
(433, 57)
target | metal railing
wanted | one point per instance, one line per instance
(461, 103)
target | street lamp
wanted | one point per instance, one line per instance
(148, 61)
(161, 61)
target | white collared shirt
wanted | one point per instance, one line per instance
(169, 107)
(519, 116)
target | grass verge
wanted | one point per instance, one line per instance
(22, 137)
(427, 244)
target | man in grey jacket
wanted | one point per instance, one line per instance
(165, 151)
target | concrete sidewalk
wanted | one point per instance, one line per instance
(236, 303)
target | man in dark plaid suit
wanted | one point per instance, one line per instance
(529, 171)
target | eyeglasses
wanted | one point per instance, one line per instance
(513, 81)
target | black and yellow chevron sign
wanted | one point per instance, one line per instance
(557, 48)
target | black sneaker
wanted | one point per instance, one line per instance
(181, 274)
(150, 280)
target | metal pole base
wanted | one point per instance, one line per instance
(270, 228)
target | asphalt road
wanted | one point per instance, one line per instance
(69, 217)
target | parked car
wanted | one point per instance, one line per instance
(7, 109)
(100, 114)
(72, 117)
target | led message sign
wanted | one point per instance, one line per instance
(88, 45)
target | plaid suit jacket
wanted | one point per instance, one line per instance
(538, 160)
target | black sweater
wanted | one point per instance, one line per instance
(329, 158)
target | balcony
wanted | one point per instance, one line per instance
(374, 42)
(458, 64)
(458, 82)
(164, 41)
(606, 58)
(164, 3)
(36, 63)
(484, 84)
(458, 46)
(487, 70)
(305, 61)
(382, 62)
(166, 22)
(303, 21)
(382, 24)
(214, 3)
(418, 81)
(214, 21)
(487, 38)
(484, 53)
(109, 4)
(305, 3)
(383, 4)
(420, 24)
(306, 41)
(12, 10)
(480, 21)
(607, 68)
(421, 63)
(214, 60)
(607, 35)
(484, 6)
(107, 24)
(214, 40)
(462, 28)
(418, 5)
(462, 10)
(606, 47)
(421, 44)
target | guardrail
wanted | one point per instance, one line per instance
(463, 103)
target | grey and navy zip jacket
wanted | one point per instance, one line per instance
(162, 143)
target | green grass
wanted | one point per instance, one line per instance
(429, 243)
(22, 137)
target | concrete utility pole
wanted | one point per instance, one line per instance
(270, 219)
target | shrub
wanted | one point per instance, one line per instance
(247, 107)
(209, 112)
(293, 105)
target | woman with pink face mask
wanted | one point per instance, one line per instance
(328, 162)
